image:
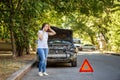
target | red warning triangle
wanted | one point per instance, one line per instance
(86, 67)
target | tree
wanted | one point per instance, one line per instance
(23, 18)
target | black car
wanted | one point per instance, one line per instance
(61, 47)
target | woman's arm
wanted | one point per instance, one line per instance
(40, 36)
(52, 32)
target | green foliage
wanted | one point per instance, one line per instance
(87, 18)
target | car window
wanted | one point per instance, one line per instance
(76, 41)
(88, 45)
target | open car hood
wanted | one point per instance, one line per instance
(62, 34)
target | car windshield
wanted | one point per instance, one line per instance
(58, 42)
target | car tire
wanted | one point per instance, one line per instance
(74, 63)
(37, 64)
(80, 49)
(93, 49)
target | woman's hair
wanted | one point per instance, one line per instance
(43, 25)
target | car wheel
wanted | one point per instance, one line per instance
(80, 49)
(37, 59)
(92, 48)
(74, 63)
(37, 64)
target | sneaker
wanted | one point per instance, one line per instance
(40, 74)
(44, 73)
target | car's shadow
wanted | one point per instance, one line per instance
(57, 65)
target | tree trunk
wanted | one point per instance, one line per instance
(11, 25)
(26, 41)
(27, 50)
(92, 39)
(20, 51)
(13, 42)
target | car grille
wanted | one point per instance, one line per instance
(58, 53)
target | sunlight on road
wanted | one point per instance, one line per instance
(88, 52)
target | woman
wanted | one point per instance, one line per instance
(42, 48)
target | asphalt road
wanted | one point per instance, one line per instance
(106, 67)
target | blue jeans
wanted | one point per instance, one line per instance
(42, 52)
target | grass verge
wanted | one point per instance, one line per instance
(9, 65)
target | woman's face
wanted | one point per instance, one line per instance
(46, 27)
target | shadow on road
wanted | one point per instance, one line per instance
(58, 65)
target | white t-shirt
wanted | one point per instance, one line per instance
(44, 42)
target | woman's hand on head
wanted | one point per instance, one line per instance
(52, 32)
